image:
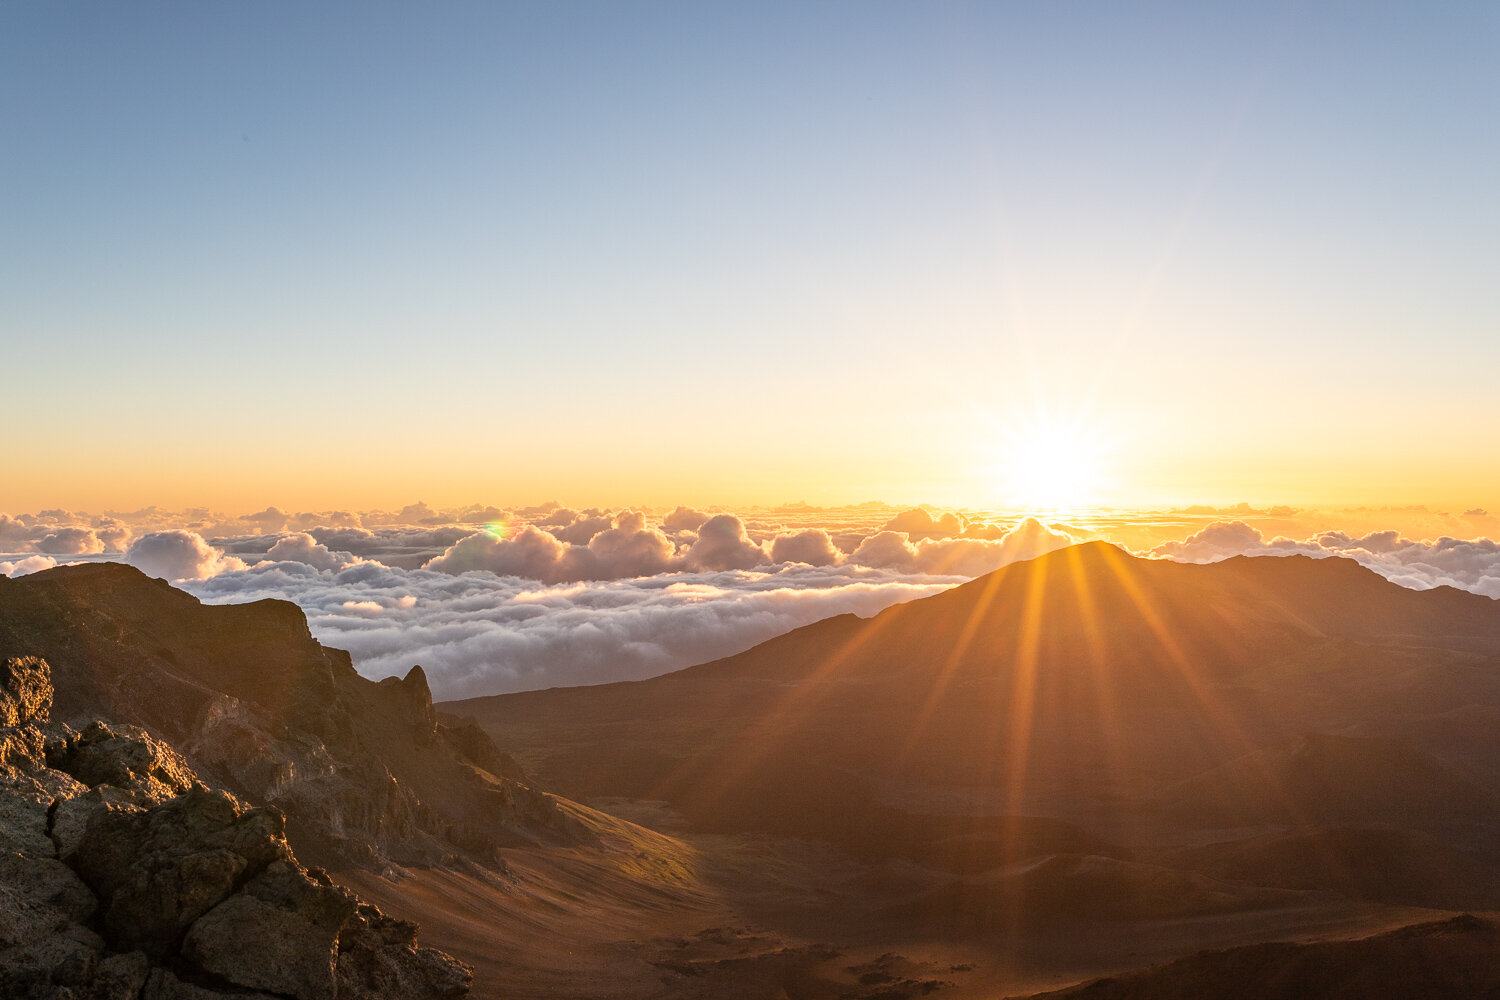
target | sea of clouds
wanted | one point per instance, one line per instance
(490, 600)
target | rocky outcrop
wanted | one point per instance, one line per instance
(125, 877)
(363, 770)
(25, 690)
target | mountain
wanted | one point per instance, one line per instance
(123, 876)
(363, 770)
(1087, 687)
(1073, 768)
(1080, 741)
(166, 777)
(1442, 960)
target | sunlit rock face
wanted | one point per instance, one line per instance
(125, 876)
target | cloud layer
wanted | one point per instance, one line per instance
(1467, 564)
(489, 600)
(480, 633)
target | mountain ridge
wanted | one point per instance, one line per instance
(363, 769)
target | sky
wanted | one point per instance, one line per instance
(350, 255)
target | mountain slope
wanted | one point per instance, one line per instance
(363, 770)
(1086, 687)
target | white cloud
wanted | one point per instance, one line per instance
(967, 557)
(304, 548)
(179, 555)
(723, 544)
(624, 547)
(1467, 564)
(684, 519)
(479, 633)
(71, 541)
(31, 564)
(812, 546)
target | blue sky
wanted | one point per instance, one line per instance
(328, 255)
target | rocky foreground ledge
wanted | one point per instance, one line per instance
(124, 877)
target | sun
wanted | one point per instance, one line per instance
(1050, 465)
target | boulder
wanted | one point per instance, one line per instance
(158, 870)
(379, 960)
(280, 934)
(25, 690)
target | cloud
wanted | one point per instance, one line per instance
(272, 519)
(1467, 564)
(684, 519)
(967, 557)
(394, 546)
(479, 633)
(581, 527)
(624, 547)
(304, 548)
(14, 532)
(179, 555)
(918, 522)
(812, 546)
(723, 544)
(31, 564)
(71, 542)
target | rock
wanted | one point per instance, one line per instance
(71, 815)
(22, 750)
(280, 935)
(39, 897)
(197, 895)
(412, 699)
(362, 770)
(24, 805)
(162, 985)
(379, 960)
(25, 690)
(120, 977)
(128, 758)
(66, 958)
(474, 745)
(158, 870)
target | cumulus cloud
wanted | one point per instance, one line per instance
(959, 556)
(723, 544)
(624, 547)
(1467, 564)
(31, 564)
(179, 555)
(395, 546)
(684, 519)
(272, 519)
(580, 527)
(918, 523)
(304, 548)
(14, 532)
(812, 546)
(70, 542)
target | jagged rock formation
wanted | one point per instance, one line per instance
(363, 771)
(123, 876)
